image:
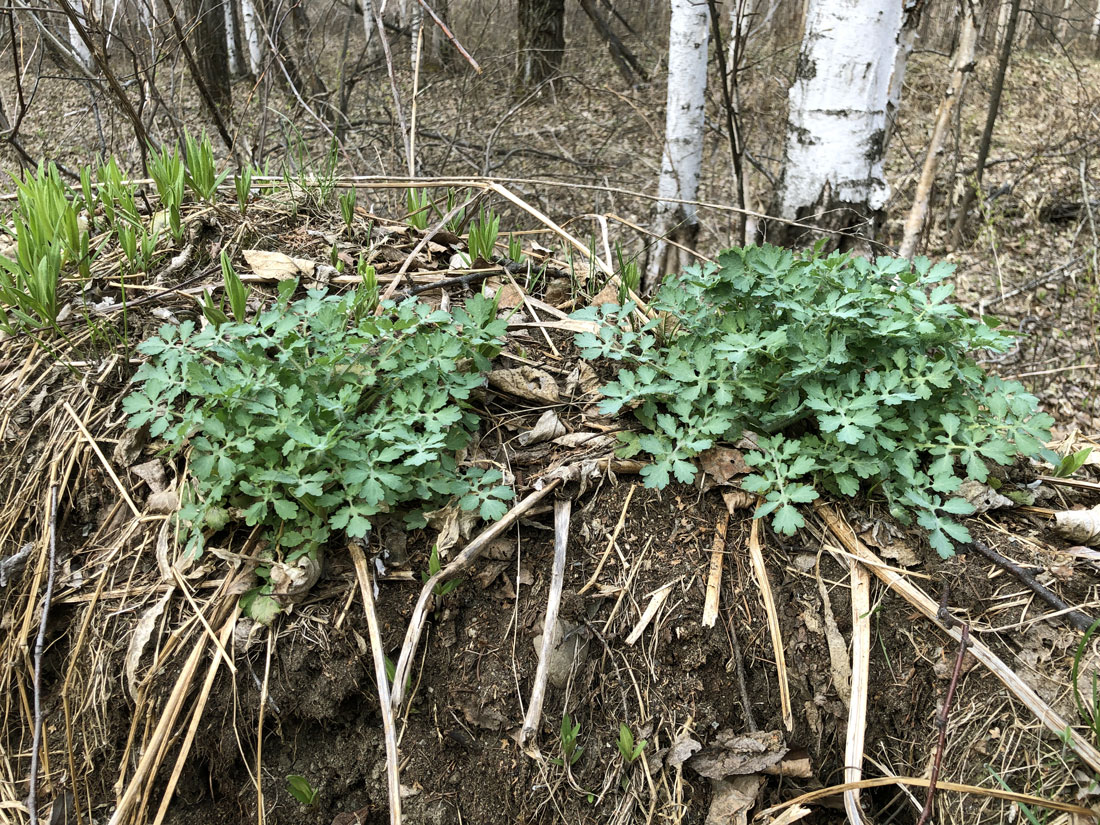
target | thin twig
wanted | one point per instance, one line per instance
(1078, 619)
(941, 723)
(39, 648)
(562, 510)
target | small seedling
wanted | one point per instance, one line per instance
(483, 235)
(630, 275)
(417, 205)
(434, 566)
(570, 750)
(235, 290)
(515, 249)
(347, 209)
(628, 748)
(243, 184)
(1071, 463)
(166, 169)
(202, 176)
(454, 225)
(365, 299)
(299, 787)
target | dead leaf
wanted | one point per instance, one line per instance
(738, 499)
(129, 446)
(548, 427)
(890, 546)
(276, 266)
(682, 750)
(1081, 526)
(163, 503)
(983, 497)
(452, 525)
(734, 754)
(291, 582)
(481, 716)
(732, 800)
(152, 473)
(608, 295)
(526, 382)
(723, 464)
(582, 379)
(143, 632)
(590, 441)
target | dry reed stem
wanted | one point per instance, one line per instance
(529, 732)
(760, 572)
(460, 562)
(861, 676)
(714, 574)
(196, 717)
(389, 729)
(920, 782)
(930, 608)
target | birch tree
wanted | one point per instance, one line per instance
(231, 38)
(250, 22)
(682, 157)
(837, 122)
(79, 48)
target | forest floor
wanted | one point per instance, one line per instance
(130, 682)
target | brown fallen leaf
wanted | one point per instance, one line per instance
(526, 382)
(276, 266)
(723, 464)
(734, 754)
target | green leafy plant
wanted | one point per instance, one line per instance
(849, 374)
(630, 275)
(347, 209)
(366, 297)
(166, 169)
(49, 234)
(570, 750)
(1071, 463)
(418, 205)
(299, 787)
(515, 249)
(242, 183)
(201, 173)
(304, 421)
(434, 566)
(629, 750)
(483, 235)
(454, 225)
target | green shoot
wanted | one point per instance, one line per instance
(243, 184)
(235, 290)
(570, 750)
(629, 750)
(1071, 463)
(347, 209)
(299, 787)
(434, 566)
(515, 249)
(483, 236)
(418, 205)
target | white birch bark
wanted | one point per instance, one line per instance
(76, 42)
(251, 24)
(682, 157)
(1094, 31)
(837, 119)
(231, 39)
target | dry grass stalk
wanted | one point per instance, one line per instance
(921, 782)
(389, 729)
(861, 677)
(610, 543)
(529, 732)
(760, 572)
(926, 605)
(655, 603)
(460, 562)
(714, 575)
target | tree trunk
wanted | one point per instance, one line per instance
(80, 49)
(1094, 30)
(231, 42)
(837, 121)
(250, 22)
(990, 121)
(682, 158)
(541, 41)
(961, 66)
(209, 47)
